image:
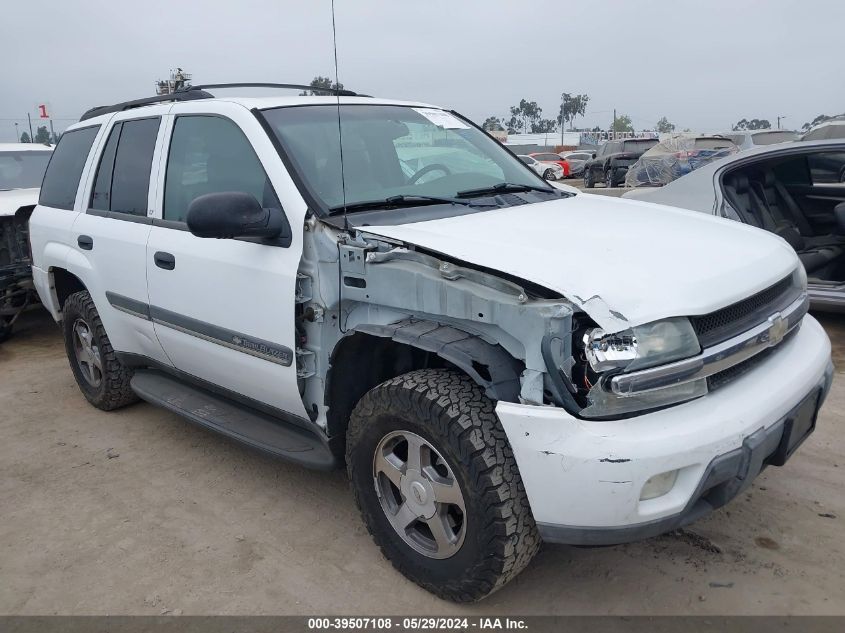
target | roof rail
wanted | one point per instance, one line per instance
(333, 91)
(199, 92)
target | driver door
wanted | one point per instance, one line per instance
(223, 309)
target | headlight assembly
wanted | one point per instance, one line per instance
(640, 347)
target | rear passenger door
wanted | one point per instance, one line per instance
(111, 236)
(223, 308)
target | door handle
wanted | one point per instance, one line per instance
(164, 260)
(86, 242)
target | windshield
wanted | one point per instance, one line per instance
(391, 151)
(22, 170)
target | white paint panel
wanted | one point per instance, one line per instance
(623, 262)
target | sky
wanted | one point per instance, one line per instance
(703, 64)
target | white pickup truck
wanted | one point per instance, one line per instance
(496, 362)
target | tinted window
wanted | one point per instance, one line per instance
(712, 143)
(19, 170)
(828, 167)
(100, 197)
(211, 155)
(526, 159)
(769, 138)
(130, 181)
(640, 145)
(62, 178)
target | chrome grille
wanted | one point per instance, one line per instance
(732, 373)
(725, 323)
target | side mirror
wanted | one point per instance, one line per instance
(594, 154)
(231, 214)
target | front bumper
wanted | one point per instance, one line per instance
(584, 478)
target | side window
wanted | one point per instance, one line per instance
(827, 167)
(65, 169)
(210, 154)
(123, 176)
(102, 183)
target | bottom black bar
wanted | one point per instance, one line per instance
(539, 624)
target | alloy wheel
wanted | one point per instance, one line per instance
(87, 353)
(419, 494)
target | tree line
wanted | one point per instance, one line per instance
(42, 136)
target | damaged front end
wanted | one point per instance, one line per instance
(16, 288)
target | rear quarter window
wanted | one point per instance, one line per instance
(65, 169)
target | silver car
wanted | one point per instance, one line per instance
(795, 190)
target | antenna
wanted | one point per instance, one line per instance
(339, 127)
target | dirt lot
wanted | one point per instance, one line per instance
(139, 512)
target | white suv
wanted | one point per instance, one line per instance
(495, 362)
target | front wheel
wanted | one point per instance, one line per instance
(101, 378)
(610, 178)
(588, 179)
(437, 484)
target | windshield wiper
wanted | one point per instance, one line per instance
(404, 201)
(503, 187)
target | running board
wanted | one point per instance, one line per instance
(241, 423)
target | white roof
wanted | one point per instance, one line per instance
(263, 103)
(25, 147)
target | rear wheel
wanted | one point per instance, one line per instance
(437, 484)
(549, 174)
(102, 379)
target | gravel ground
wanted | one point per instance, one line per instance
(139, 512)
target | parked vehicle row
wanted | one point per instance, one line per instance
(576, 161)
(610, 164)
(495, 361)
(548, 170)
(676, 156)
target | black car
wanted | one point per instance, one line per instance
(610, 164)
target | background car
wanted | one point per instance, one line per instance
(22, 167)
(552, 158)
(549, 171)
(610, 164)
(832, 128)
(675, 157)
(576, 161)
(791, 189)
(746, 139)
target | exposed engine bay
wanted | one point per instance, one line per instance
(16, 289)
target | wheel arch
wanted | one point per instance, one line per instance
(371, 354)
(64, 283)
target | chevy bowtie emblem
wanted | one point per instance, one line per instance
(777, 330)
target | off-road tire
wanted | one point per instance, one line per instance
(589, 183)
(114, 390)
(452, 413)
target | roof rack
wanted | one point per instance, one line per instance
(199, 92)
